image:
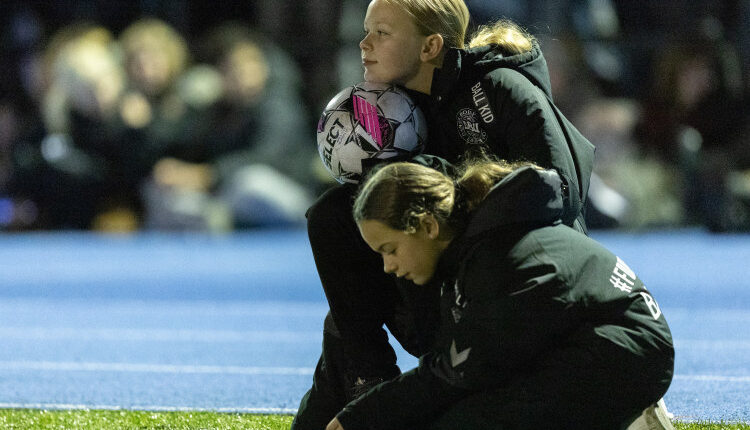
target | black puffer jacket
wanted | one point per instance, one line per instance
(481, 98)
(522, 292)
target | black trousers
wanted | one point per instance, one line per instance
(362, 299)
(594, 385)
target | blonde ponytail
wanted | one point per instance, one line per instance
(506, 34)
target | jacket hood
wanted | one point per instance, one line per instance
(525, 199)
(522, 201)
(484, 59)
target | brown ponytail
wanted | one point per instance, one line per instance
(479, 177)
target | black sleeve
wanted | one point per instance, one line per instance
(512, 315)
(408, 401)
(530, 128)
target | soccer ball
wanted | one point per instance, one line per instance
(365, 124)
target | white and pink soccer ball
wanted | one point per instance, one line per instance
(365, 124)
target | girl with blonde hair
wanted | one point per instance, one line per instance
(488, 95)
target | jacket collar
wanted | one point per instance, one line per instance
(525, 199)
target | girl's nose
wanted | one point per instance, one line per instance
(364, 43)
(389, 266)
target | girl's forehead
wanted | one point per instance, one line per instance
(386, 12)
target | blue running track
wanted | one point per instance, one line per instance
(233, 323)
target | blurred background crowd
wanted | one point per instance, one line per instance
(122, 115)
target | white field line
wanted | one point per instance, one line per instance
(157, 335)
(713, 378)
(151, 368)
(233, 370)
(151, 408)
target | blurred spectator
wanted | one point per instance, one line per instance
(155, 56)
(78, 167)
(573, 86)
(648, 26)
(629, 189)
(165, 127)
(248, 161)
(9, 204)
(21, 35)
(696, 119)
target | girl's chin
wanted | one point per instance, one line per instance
(375, 78)
(420, 281)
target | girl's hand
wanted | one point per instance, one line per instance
(334, 425)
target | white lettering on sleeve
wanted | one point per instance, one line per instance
(623, 278)
(652, 305)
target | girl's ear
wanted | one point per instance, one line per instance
(431, 226)
(432, 48)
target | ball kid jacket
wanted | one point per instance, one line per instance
(521, 291)
(481, 98)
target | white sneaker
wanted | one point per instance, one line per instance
(654, 417)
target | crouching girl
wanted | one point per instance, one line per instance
(541, 326)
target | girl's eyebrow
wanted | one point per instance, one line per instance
(379, 22)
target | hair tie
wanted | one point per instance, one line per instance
(459, 199)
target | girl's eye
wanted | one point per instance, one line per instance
(378, 32)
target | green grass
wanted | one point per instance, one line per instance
(711, 426)
(139, 420)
